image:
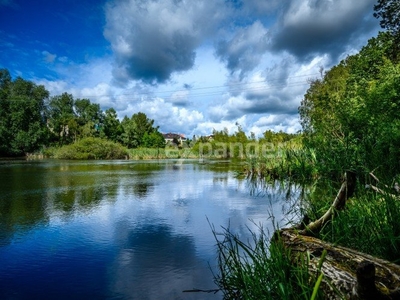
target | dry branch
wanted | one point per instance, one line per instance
(346, 191)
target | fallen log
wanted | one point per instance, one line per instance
(347, 274)
(340, 266)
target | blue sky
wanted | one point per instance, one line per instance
(191, 65)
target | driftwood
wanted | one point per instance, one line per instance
(347, 274)
(340, 266)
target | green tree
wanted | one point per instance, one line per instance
(351, 116)
(23, 124)
(135, 128)
(112, 128)
(89, 117)
(128, 136)
(153, 140)
(5, 88)
(389, 13)
(62, 118)
(143, 125)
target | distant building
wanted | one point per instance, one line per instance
(174, 138)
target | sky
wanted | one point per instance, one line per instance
(191, 65)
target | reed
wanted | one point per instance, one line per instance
(258, 269)
(160, 153)
(370, 224)
(296, 163)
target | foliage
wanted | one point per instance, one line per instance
(22, 122)
(389, 13)
(139, 131)
(153, 140)
(369, 224)
(160, 153)
(293, 163)
(90, 148)
(70, 119)
(237, 145)
(270, 136)
(112, 128)
(30, 120)
(351, 116)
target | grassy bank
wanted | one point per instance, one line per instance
(258, 269)
(96, 148)
(370, 222)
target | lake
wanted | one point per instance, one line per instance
(122, 229)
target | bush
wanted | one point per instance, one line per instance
(90, 148)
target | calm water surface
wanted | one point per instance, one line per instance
(120, 229)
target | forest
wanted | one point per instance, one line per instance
(31, 120)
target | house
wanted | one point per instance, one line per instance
(174, 138)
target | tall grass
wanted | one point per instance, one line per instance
(261, 269)
(370, 224)
(160, 153)
(258, 269)
(295, 163)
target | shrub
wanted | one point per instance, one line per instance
(91, 148)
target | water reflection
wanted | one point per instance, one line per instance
(121, 230)
(153, 261)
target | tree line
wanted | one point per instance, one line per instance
(30, 119)
(351, 116)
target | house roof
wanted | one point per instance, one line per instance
(173, 136)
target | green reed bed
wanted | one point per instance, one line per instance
(370, 224)
(296, 163)
(160, 153)
(258, 269)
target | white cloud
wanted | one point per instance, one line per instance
(170, 118)
(195, 66)
(151, 40)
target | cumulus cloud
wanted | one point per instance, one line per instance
(310, 27)
(276, 122)
(151, 39)
(195, 66)
(243, 52)
(170, 118)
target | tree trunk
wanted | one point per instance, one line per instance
(347, 273)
